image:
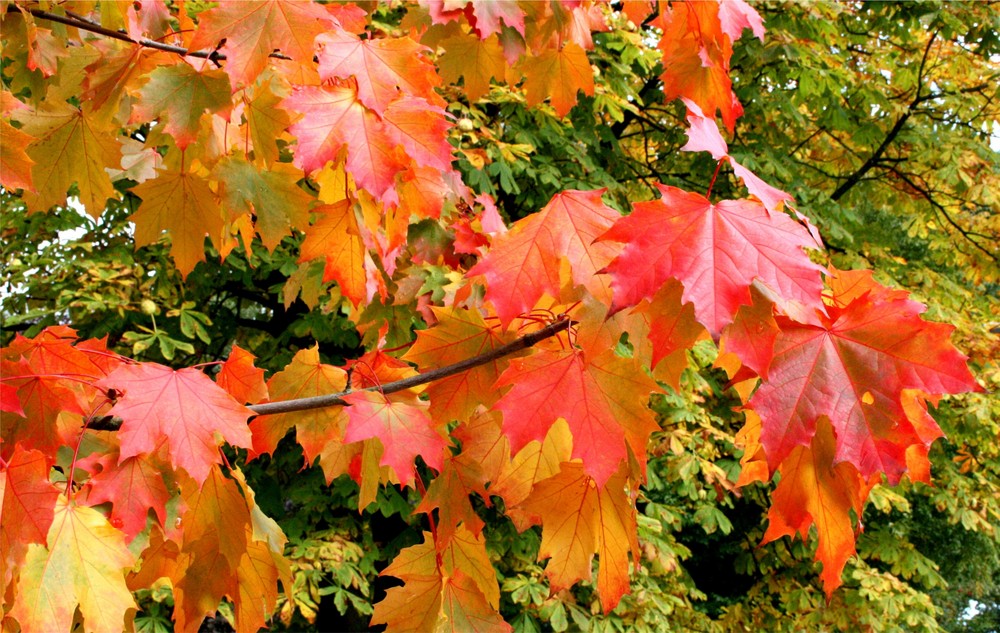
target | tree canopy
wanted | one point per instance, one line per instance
(500, 315)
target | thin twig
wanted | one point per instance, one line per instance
(87, 25)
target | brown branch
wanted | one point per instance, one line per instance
(108, 423)
(86, 25)
(927, 194)
(856, 177)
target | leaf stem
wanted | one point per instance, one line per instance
(718, 166)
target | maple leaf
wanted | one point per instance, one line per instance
(83, 566)
(272, 196)
(421, 129)
(423, 192)
(484, 443)
(858, 359)
(525, 262)
(696, 55)
(185, 406)
(458, 334)
(182, 203)
(240, 378)
(215, 509)
(449, 495)
(254, 30)
(335, 119)
(817, 490)
(384, 68)
(602, 399)
(70, 146)
(134, 486)
(453, 595)
(336, 238)
(319, 431)
(183, 94)
(27, 502)
(109, 81)
(753, 464)
(535, 462)
(216, 534)
(557, 75)
(403, 428)
(477, 60)
(752, 334)
(672, 330)
(580, 518)
(715, 250)
(737, 15)
(257, 578)
(51, 375)
(15, 164)
(266, 120)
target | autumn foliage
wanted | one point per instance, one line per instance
(278, 118)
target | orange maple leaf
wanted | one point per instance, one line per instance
(579, 519)
(254, 30)
(557, 74)
(240, 378)
(602, 399)
(814, 490)
(524, 263)
(457, 335)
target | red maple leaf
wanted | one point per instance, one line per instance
(715, 250)
(335, 119)
(133, 486)
(183, 405)
(403, 428)
(852, 366)
(48, 388)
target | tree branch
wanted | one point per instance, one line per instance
(928, 195)
(856, 177)
(107, 423)
(86, 25)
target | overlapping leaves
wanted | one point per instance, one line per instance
(559, 432)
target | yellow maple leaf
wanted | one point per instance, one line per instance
(183, 204)
(71, 147)
(83, 566)
(558, 75)
(478, 60)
